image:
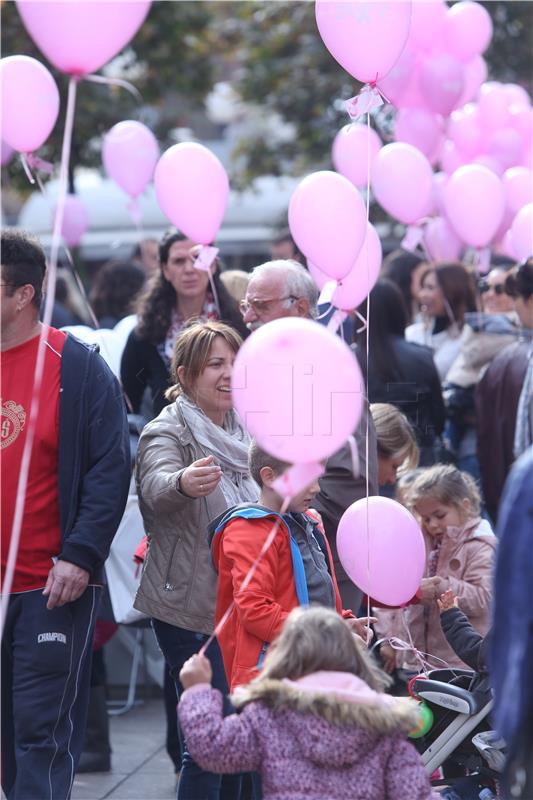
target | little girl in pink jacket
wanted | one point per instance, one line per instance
(315, 723)
(460, 549)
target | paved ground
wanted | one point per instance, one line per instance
(141, 768)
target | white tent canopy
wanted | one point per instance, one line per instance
(249, 223)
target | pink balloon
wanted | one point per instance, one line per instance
(464, 129)
(521, 120)
(401, 85)
(130, 153)
(517, 95)
(493, 104)
(522, 233)
(362, 278)
(29, 101)
(80, 37)
(365, 38)
(441, 242)
(475, 73)
(319, 277)
(451, 158)
(381, 547)
(402, 182)
(327, 218)
(507, 247)
(75, 220)
(440, 179)
(506, 147)
(298, 389)
(475, 204)
(427, 24)
(6, 153)
(489, 162)
(352, 147)
(442, 83)
(192, 189)
(419, 127)
(468, 30)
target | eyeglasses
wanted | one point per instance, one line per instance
(484, 287)
(261, 306)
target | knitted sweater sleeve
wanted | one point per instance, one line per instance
(405, 775)
(218, 744)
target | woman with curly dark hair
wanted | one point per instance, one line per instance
(177, 293)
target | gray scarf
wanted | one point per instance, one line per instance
(229, 446)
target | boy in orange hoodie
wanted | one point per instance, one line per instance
(297, 569)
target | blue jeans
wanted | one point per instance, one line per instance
(177, 645)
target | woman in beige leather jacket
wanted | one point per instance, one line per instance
(192, 464)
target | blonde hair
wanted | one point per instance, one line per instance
(395, 435)
(236, 282)
(448, 485)
(316, 638)
(192, 349)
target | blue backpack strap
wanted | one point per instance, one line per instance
(300, 581)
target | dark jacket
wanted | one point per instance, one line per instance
(94, 460)
(497, 396)
(142, 367)
(463, 638)
(511, 647)
(418, 394)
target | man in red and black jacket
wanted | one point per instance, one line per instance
(76, 492)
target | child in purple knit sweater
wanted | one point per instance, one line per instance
(315, 723)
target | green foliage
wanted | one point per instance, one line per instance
(169, 62)
(275, 59)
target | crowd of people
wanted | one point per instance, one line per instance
(302, 693)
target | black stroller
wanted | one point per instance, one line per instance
(461, 703)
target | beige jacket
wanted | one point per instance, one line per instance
(465, 562)
(179, 581)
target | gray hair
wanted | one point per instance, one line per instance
(297, 280)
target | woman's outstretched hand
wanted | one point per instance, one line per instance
(200, 478)
(197, 669)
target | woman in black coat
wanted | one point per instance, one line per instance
(177, 293)
(402, 373)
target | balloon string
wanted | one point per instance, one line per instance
(367, 433)
(74, 271)
(247, 578)
(215, 293)
(115, 82)
(325, 313)
(26, 166)
(39, 366)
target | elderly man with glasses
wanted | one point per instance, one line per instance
(280, 289)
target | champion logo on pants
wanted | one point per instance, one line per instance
(51, 637)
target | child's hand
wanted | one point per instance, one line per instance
(196, 670)
(447, 601)
(388, 656)
(361, 627)
(431, 588)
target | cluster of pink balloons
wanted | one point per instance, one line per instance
(479, 133)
